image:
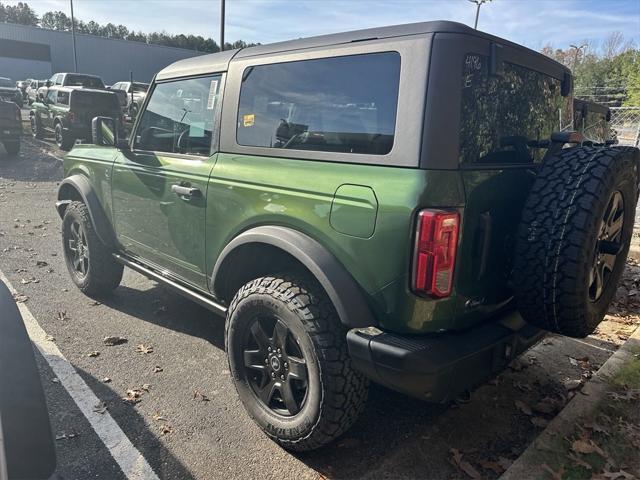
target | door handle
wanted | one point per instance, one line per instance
(183, 191)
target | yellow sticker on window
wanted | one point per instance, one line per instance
(248, 120)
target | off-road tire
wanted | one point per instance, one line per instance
(63, 139)
(336, 393)
(12, 147)
(558, 238)
(36, 127)
(103, 273)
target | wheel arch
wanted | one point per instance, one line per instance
(78, 188)
(270, 249)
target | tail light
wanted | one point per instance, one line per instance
(72, 116)
(435, 251)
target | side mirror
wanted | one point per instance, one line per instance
(104, 131)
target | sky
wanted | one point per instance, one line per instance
(534, 23)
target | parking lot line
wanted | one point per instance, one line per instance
(130, 460)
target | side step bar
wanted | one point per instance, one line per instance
(200, 298)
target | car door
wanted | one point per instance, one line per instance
(159, 187)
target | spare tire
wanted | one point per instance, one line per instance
(574, 237)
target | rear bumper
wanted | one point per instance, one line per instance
(10, 132)
(440, 367)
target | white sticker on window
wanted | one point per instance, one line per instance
(213, 92)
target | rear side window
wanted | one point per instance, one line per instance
(342, 104)
(502, 115)
(179, 117)
(95, 101)
(63, 98)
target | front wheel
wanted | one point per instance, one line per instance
(89, 261)
(288, 356)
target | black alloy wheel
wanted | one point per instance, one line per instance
(608, 246)
(275, 366)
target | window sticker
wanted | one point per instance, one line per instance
(248, 120)
(213, 92)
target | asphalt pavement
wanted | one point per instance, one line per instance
(189, 423)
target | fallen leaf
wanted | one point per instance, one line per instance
(198, 395)
(41, 263)
(495, 467)
(523, 407)
(100, 408)
(20, 298)
(586, 446)
(106, 380)
(556, 475)
(157, 369)
(62, 315)
(93, 354)
(157, 416)
(547, 405)
(144, 349)
(55, 380)
(94, 303)
(165, 429)
(572, 384)
(145, 387)
(463, 465)
(114, 340)
(133, 396)
(539, 422)
(49, 338)
(573, 361)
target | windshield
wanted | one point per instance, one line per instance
(84, 81)
(6, 83)
(95, 100)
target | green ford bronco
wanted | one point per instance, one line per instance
(67, 113)
(408, 205)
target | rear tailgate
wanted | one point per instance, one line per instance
(500, 116)
(89, 104)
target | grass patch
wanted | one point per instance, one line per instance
(629, 374)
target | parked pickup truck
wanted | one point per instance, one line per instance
(10, 127)
(396, 204)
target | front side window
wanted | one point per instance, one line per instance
(179, 117)
(502, 116)
(342, 104)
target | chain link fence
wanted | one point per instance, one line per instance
(625, 123)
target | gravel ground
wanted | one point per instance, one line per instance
(397, 437)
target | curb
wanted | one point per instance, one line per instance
(528, 465)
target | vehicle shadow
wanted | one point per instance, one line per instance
(37, 161)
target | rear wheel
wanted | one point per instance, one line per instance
(89, 261)
(12, 147)
(574, 237)
(63, 139)
(288, 356)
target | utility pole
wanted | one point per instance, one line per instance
(73, 38)
(222, 25)
(478, 5)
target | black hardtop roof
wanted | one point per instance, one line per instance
(219, 62)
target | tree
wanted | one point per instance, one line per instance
(21, 14)
(56, 21)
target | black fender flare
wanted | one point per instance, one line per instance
(81, 184)
(342, 289)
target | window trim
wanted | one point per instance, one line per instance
(215, 129)
(413, 50)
